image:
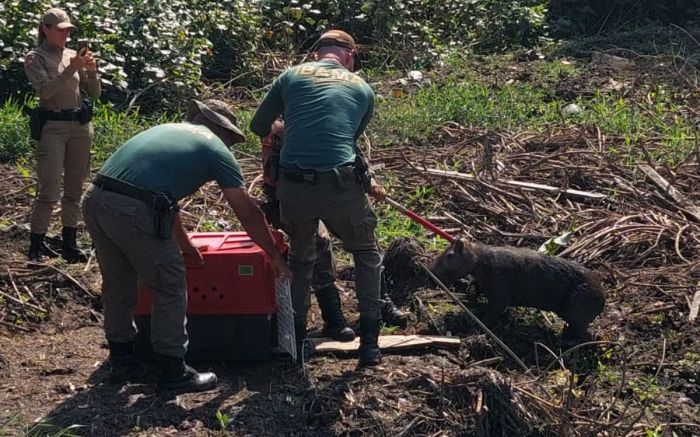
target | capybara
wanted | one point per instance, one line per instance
(511, 276)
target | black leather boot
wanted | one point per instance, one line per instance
(334, 324)
(391, 315)
(123, 364)
(174, 374)
(71, 253)
(36, 246)
(369, 343)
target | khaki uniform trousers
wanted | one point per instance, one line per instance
(63, 152)
(127, 249)
(339, 201)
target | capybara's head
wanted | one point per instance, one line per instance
(455, 262)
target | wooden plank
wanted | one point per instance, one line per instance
(386, 342)
(521, 184)
(671, 191)
(695, 305)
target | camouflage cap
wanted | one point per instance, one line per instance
(218, 113)
(337, 38)
(57, 17)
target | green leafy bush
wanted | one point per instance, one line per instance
(572, 17)
(156, 53)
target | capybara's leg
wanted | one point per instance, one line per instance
(577, 327)
(493, 311)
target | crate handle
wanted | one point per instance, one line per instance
(223, 241)
(226, 238)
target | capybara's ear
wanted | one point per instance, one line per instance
(458, 245)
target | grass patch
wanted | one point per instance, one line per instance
(392, 225)
(112, 128)
(529, 105)
(14, 135)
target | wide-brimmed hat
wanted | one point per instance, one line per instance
(218, 113)
(57, 17)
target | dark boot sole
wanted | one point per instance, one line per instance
(186, 387)
(371, 363)
(339, 336)
(369, 358)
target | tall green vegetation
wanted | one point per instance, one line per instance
(158, 53)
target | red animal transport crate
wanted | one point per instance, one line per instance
(231, 300)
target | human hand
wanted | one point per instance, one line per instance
(274, 138)
(77, 62)
(194, 252)
(378, 192)
(279, 265)
(277, 127)
(90, 62)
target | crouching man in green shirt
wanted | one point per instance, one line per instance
(132, 215)
(326, 107)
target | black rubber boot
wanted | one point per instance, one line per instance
(334, 324)
(124, 367)
(175, 375)
(70, 252)
(391, 315)
(36, 246)
(369, 343)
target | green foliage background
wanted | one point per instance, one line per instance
(170, 48)
(159, 53)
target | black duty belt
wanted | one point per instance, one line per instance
(61, 115)
(315, 177)
(124, 188)
(163, 207)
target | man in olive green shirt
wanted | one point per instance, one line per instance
(132, 215)
(326, 107)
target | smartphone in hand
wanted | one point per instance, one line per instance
(83, 45)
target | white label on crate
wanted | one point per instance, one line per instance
(245, 270)
(285, 318)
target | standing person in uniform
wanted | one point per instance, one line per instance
(58, 75)
(323, 284)
(326, 107)
(324, 277)
(132, 214)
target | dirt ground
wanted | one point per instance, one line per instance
(54, 377)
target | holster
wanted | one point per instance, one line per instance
(85, 114)
(362, 173)
(36, 122)
(164, 210)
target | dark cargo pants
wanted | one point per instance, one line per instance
(324, 268)
(127, 249)
(339, 201)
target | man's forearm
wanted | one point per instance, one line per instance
(179, 232)
(253, 221)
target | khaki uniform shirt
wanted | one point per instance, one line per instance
(56, 83)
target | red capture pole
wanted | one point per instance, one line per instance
(420, 220)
